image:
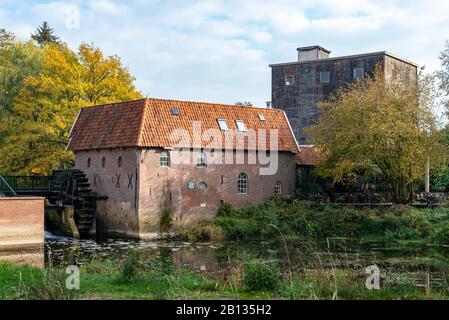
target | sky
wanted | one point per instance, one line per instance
(220, 51)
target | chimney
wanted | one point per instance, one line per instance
(312, 53)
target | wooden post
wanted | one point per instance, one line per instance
(427, 177)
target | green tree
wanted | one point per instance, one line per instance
(6, 38)
(37, 128)
(379, 124)
(44, 34)
(17, 61)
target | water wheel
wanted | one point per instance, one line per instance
(71, 187)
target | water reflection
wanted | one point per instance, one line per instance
(214, 256)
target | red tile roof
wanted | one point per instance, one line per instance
(307, 156)
(150, 123)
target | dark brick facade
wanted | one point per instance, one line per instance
(300, 96)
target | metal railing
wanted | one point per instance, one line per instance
(5, 187)
(28, 183)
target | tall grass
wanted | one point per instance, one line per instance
(297, 218)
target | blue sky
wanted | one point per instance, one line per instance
(219, 51)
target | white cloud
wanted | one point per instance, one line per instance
(220, 50)
(107, 7)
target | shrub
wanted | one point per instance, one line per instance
(130, 267)
(206, 232)
(260, 276)
(165, 220)
(238, 228)
(225, 209)
(441, 236)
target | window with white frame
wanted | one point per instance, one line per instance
(201, 161)
(261, 117)
(278, 188)
(223, 125)
(359, 73)
(289, 80)
(242, 183)
(164, 159)
(240, 125)
(324, 76)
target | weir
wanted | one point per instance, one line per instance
(70, 204)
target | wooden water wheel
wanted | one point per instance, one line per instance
(71, 187)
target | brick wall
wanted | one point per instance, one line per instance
(21, 222)
(119, 212)
(168, 188)
(136, 212)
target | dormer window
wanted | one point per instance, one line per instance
(289, 80)
(240, 125)
(175, 111)
(223, 125)
(261, 117)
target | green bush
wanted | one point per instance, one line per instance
(130, 267)
(225, 209)
(441, 236)
(165, 221)
(202, 232)
(260, 276)
(297, 218)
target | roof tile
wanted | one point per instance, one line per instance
(150, 123)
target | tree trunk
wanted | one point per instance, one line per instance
(402, 191)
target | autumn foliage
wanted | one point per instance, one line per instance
(382, 125)
(43, 90)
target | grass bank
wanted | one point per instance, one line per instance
(136, 277)
(299, 219)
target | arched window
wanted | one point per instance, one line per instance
(242, 183)
(88, 162)
(119, 162)
(103, 162)
(278, 188)
(202, 185)
(164, 159)
(201, 161)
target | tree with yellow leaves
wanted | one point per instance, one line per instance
(377, 124)
(37, 127)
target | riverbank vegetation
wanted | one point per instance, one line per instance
(137, 277)
(279, 218)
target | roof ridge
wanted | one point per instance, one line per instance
(181, 101)
(142, 122)
(350, 56)
(213, 103)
